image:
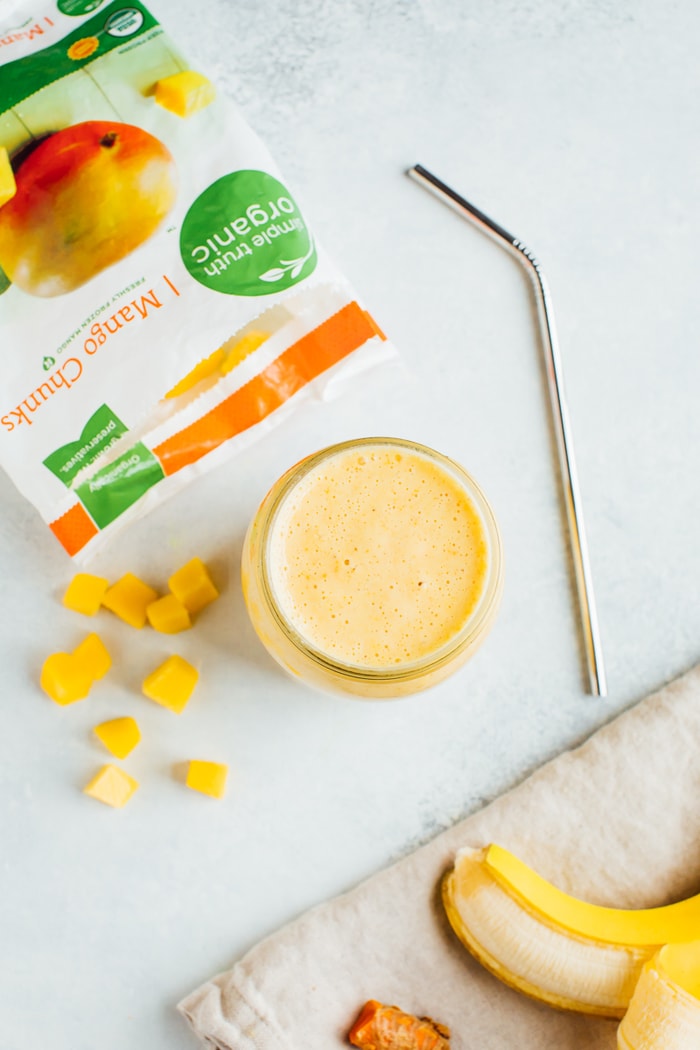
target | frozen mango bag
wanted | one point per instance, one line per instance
(162, 298)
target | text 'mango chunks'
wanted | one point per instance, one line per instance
(86, 197)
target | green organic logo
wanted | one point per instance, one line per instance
(102, 429)
(78, 7)
(112, 490)
(245, 235)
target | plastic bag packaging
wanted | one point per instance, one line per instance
(162, 298)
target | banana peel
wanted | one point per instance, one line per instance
(551, 946)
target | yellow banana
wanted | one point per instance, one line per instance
(549, 945)
(664, 1013)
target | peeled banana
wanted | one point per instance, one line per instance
(664, 1013)
(549, 945)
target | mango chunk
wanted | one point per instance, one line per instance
(93, 656)
(129, 598)
(193, 586)
(171, 684)
(206, 368)
(207, 777)
(112, 786)
(85, 593)
(120, 735)
(168, 615)
(241, 349)
(185, 93)
(8, 186)
(65, 679)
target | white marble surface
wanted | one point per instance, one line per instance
(575, 125)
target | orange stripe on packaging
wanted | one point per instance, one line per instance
(311, 355)
(314, 353)
(74, 529)
(375, 326)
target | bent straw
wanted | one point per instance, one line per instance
(560, 415)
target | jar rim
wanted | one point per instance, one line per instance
(479, 619)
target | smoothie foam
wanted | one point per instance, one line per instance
(378, 556)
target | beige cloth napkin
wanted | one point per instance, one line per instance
(616, 821)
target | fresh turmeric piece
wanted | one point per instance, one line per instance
(381, 1027)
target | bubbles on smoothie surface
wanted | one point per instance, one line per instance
(378, 557)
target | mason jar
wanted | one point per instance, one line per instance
(373, 568)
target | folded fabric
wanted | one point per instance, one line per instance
(615, 821)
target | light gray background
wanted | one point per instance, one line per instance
(574, 124)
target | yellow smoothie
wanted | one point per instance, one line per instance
(378, 556)
(373, 568)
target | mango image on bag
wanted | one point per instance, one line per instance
(83, 199)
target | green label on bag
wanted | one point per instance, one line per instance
(90, 41)
(102, 429)
(245, 235)
(115, 488)
(75, 8)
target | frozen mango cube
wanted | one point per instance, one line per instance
(168, 615)
(93, 656)
(185, 93)
(208, 367)
(8, 186)
(242, 348)
(65, 678)
(192, 585)
(172, 683)
(129, 598)
(112, 786)
(120, 735)
(85, 593)
(68, 677)
(207, 777)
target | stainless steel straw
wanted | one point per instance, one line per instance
(560, 414)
